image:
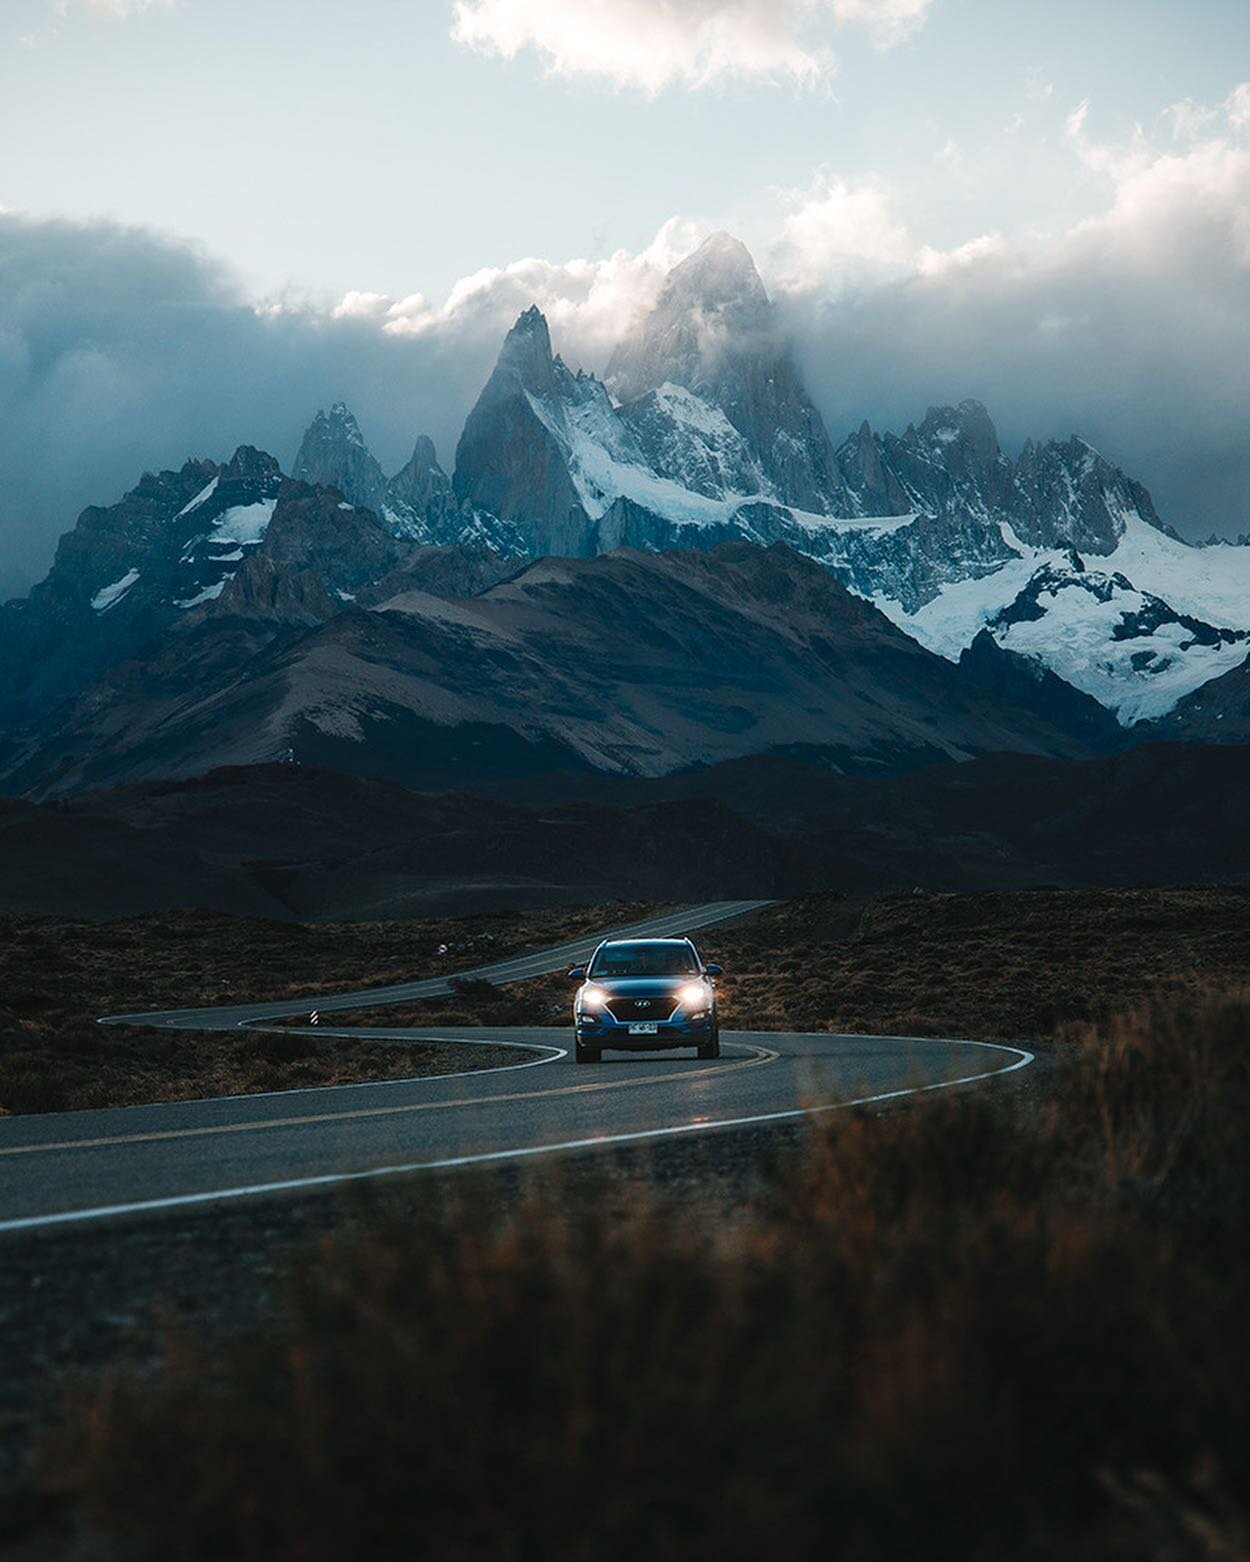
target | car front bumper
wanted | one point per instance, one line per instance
(604, 1030)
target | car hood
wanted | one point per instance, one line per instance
(641, 986)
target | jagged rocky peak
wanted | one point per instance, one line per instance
(526, 355)
(968, 426)
(714, 332)
(514, 456)
(1067, 492)
(333, 453)
(719, 275)
(712, 306)
(421, 481)
(249, 465)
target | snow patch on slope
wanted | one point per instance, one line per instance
(244, 523)
(1211, 583)
(109, 596)
(209, 593)
(1087, 639)
(960, 611)
(204, 495)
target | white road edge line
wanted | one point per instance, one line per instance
(599, 1141)
(553, 1055)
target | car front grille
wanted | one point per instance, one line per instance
(630, 1010)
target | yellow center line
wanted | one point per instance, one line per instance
(761, 1055)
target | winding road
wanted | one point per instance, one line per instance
(69, 1167)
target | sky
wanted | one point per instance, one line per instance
(216, 216)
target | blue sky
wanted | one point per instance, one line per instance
(217, 215)
(323, 147)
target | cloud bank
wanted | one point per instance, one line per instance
(121, 350)
(1132, 327)
(653, 44)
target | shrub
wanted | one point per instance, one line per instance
(968, 1329)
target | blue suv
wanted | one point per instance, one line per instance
(644, 994)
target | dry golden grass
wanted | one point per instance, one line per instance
(970, 1329)
(86, 1065)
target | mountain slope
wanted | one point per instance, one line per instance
(702, 435)
(125, 572)
(1219, 712)
(634, 663)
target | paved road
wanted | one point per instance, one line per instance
(78, 1166)
(559, 957)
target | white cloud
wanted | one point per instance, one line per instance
(1131, 327)
(587, 302)
(932, 262)
(117, 8)
(362, 306)
(887, 21)
(1237, 106)
(1164, 201)
(654, 44)
(838, 234)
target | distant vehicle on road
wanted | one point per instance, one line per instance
(645, 995)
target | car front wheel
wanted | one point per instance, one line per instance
(586, 1054)
(711, 1047)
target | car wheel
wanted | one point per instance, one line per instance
(711, 1047)
(586, 1054)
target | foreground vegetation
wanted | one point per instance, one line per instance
(982, 1326)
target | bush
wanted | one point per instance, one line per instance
(966, 1329)
(32, 1082)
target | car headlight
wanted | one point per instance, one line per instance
(591, 997)
(694, 995)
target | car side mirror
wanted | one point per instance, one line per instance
(714, 970)
(577, 974)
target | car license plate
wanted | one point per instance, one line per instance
(643, 1030)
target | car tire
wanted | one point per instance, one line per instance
(586, 1054)
(711, 1047)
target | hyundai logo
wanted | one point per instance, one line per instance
(642, 1003)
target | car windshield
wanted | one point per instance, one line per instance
(643, 960)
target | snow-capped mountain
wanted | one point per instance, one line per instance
(127, 570)
(210, 541)
(1048, 578)
(702, 432)
(713, 333)
(417, 502)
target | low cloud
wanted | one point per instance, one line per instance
(1132, 327)
(653, 44)
(838, 234)
(118, 8)
(121, 350)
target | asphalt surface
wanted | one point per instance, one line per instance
(70, 1167)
